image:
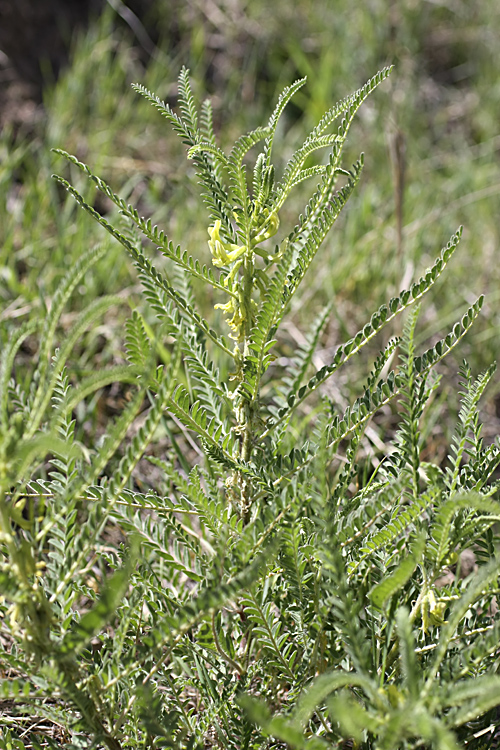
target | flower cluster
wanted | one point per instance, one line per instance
(227, 254)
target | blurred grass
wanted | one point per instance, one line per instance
(430, 136)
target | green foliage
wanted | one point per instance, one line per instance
(243, 588)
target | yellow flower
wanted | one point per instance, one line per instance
(268, 228)
(432, 611)
(236, 322)
(223, 253)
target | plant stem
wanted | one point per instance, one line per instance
(246, 411)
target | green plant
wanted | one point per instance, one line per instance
(254, 588)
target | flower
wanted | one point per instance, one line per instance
(237, 320)
(223, 253)
(268, 227)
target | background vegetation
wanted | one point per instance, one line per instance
(432, 162)
(431, 142)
